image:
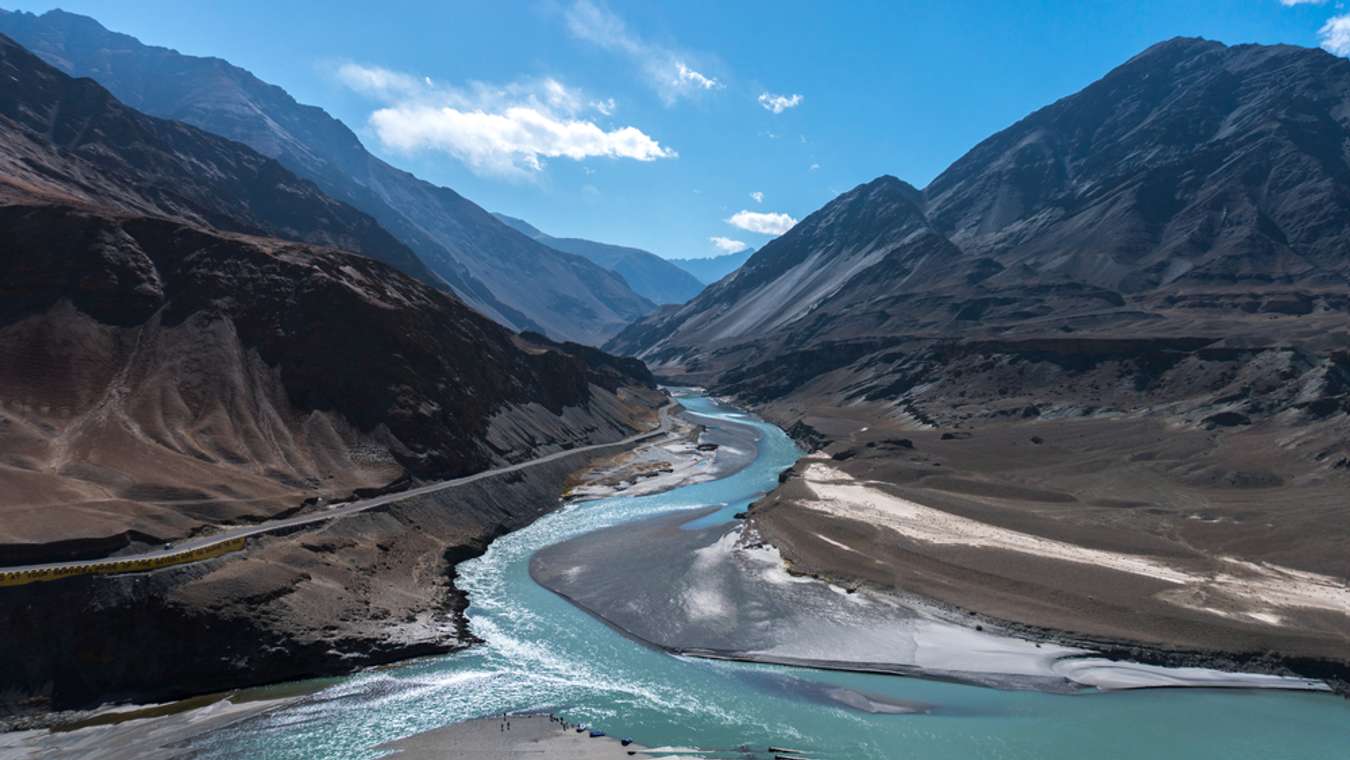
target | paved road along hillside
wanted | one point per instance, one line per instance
(229, 539)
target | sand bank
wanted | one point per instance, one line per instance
(1256, 591)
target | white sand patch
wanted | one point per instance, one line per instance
(1113, 674)
(770, 567)
(1251, 589)
(838, 493)
(832, 542)
(688, 466)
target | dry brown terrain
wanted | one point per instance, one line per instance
(1195, 538)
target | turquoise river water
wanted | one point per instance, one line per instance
(542, 653)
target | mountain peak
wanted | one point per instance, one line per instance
(1179, 44)
(887, 183)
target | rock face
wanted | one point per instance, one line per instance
(506, 275)
(650, 276)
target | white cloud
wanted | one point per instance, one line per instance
(506, 130)
(1290, 3)
(379, 82)
(510, 142)
(1334, 36)
(764, 223)
(689, 76)
(727, 245)
(779, 103)
(813, 167)
(669, 71)
(758, 196)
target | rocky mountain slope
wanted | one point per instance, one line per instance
(506, 275)
(70, 141)
(1192, 199)
(184, 345)
(714, 268)
(163, 350)
(1118, 325)
(650, 276)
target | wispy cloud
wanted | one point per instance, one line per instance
(764, 223)
(779, 103)
(502, 130)
(757, 196)
(1302, 2)
(670, 72)
(695, 79)
(727, 245)
(1334, 36)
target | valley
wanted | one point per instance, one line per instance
(304, 454)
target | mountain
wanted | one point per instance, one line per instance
(651, 276)
(1118, 325)
(714, 268)
(183, 298)
(1196, 191)
(506, 275)
(58, 132)
(186, 345)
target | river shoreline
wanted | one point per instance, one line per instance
(495, 607)
(787, 628)
(1089, 662)
(692, 466)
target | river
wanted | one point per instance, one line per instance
(540, 652)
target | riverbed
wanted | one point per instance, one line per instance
(542, 653)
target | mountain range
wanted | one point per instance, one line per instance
(502, 273)
(713, 268)
(182, 323)
(1119, 323)
(1115, 328)
(1196, 194)
(195, 337)
(652, 277)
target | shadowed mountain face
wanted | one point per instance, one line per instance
(504, 274)
(651, 276)
(69, 141)
(1192, 165)
(1196, 197)
(714, 268)
(183, 341)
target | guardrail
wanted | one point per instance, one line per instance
(117, 567)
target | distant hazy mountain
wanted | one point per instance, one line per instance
(1197, 196)
(651, 276)
(508, 276)
(714, 268)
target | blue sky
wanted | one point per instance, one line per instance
(652, 124)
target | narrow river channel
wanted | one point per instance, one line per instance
(540, 653)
